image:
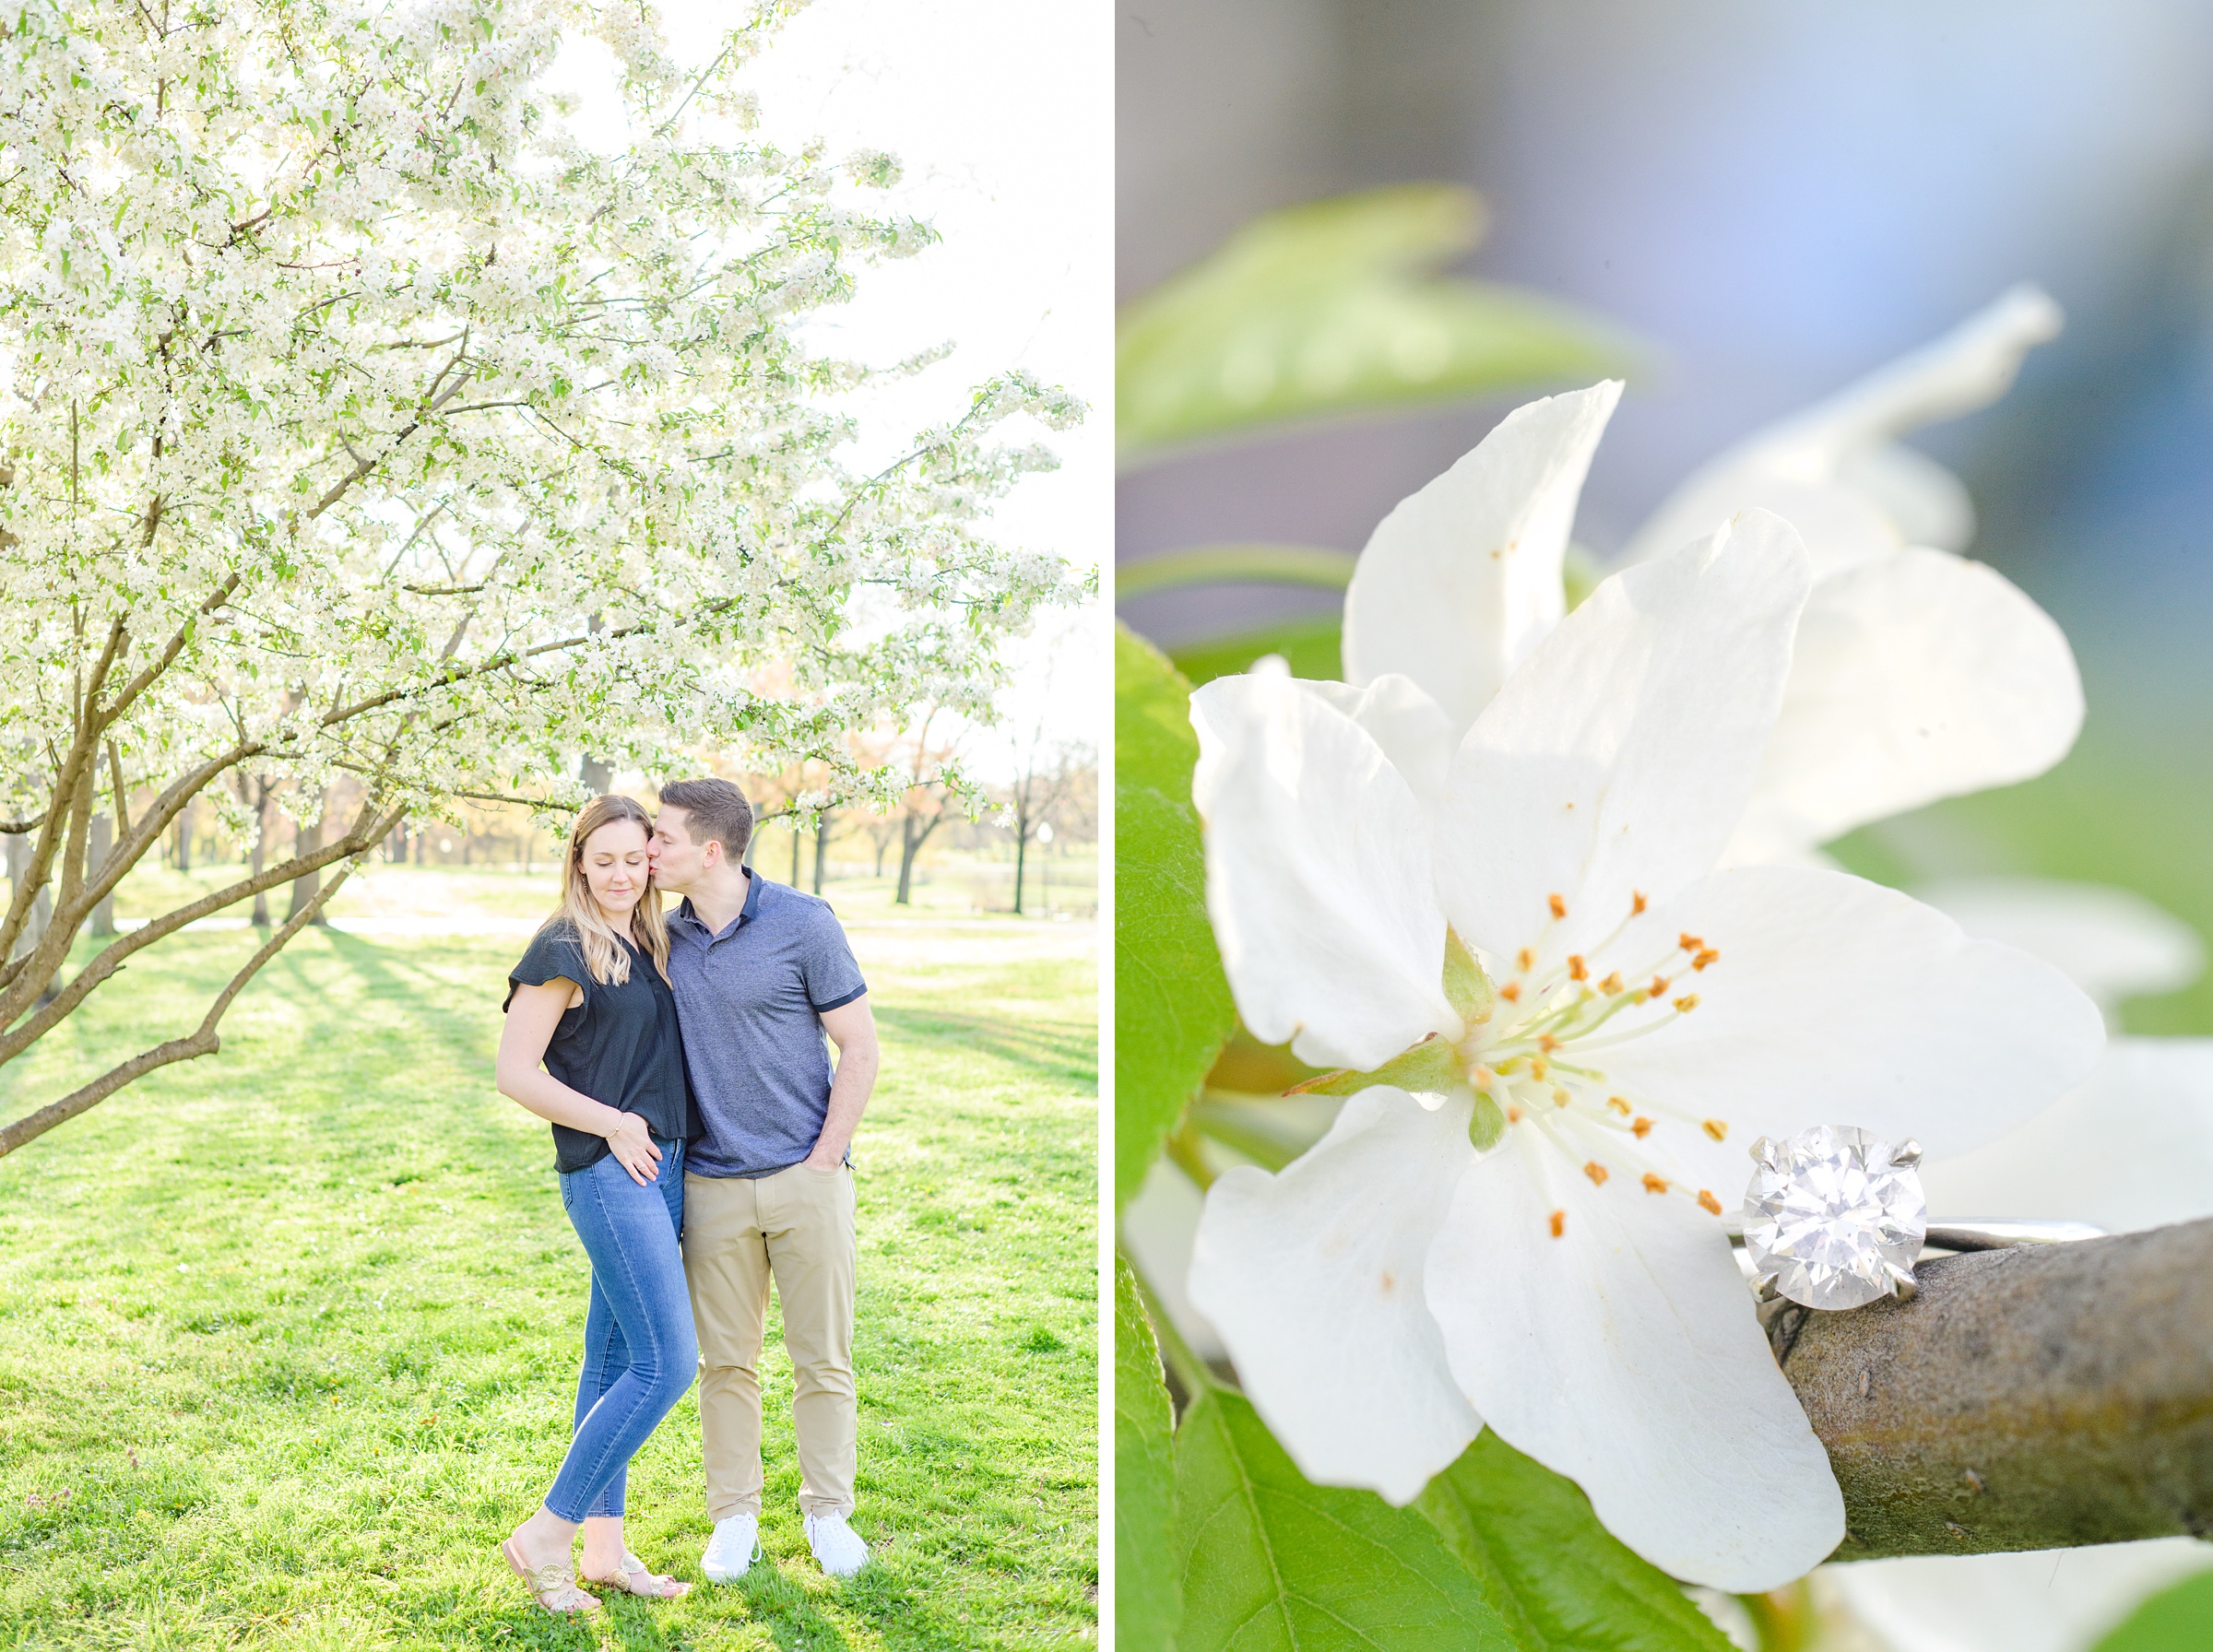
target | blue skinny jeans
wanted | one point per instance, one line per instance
(640, 1351)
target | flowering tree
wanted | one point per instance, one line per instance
(357, 422)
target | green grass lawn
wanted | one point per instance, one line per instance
(288, 1336)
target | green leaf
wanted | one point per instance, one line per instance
(2175, 1620)
(1310, 646)
(1270, 1561)
(1172, 1003)
(1559, 1578)
(1332, 307)
(1147, 1598)
(1318, 566)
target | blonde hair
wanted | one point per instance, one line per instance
(603, 956)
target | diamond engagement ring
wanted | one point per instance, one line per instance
(1835, 1218)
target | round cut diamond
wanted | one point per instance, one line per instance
(1835, 1215)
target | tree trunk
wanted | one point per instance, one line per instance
(310, 839)
(42, 910)
(822, 848)
(184, 838)
(261, 851)
(911, 838)
(103, 843)
(882, 840)
(795, 853)
(1021, 844)
(596, 775)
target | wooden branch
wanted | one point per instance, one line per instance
(2037, 1397)
(202, 1041)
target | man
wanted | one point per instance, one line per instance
(761, 972)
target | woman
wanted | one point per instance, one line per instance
(590, 1001)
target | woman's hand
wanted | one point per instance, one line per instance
(632, 1144)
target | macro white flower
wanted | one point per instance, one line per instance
(1917, 674)
(1519, 1225)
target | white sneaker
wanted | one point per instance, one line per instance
(841, 1549)
(733, 1549)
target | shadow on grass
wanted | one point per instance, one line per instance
(1056, 1051)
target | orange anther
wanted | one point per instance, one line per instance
(1705, 958)
(1708, 1203)
(1636, 902)
(1547, 1043)
(1611, 984)
(1658, 989)
(1653, 1183)
(1525, 959)
(1689, 943)
(1537, 1069)
(1560, 1096)
(1510, 991)
(1513, 1115)
(1716, 1129)
(1559, 1223)
(1559, 907)
(1642, 1128)
(1576, 972)
(1620, 1104)
(1686, 1003)
(1596, 1172)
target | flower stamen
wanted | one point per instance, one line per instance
(1596, 1172)
(1654, 1184)
(1559, 1223)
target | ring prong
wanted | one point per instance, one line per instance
(1763, 1287)
(1907, 1153)
(1763, 1150)
(1903, 1287)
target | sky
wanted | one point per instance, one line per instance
(1001, 113)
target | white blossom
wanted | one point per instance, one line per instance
(1516, 1223)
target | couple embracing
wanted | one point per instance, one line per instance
(701, 1137)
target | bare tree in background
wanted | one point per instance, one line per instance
(1049, 778)
(927, 802)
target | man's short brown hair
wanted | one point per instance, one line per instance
(712, 808)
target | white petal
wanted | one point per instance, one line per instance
(1317, 876)
(1618, 758)
(1626, 1355)
(2043, 1601)
(2113, 943)
(1413, 730)
(1835, 1000)
(2132, 1147)
(1917, 677)
(1462, 579)
(1313, 1278)
(1831, 470)
(1158, 1229)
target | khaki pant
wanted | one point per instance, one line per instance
(794, 1227)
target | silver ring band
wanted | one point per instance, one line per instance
(1993, 1235)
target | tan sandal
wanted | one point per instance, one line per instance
(633, 1578)
(553, 1586)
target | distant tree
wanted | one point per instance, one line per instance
(927, 802)
(1049, 775)
(359, 423)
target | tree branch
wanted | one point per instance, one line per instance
(110, 958)
(202, 1041)
(2037, 1397)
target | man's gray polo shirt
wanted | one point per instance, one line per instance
(749, 1000)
